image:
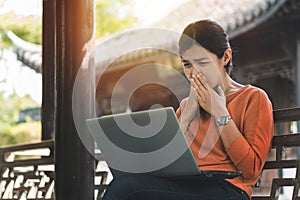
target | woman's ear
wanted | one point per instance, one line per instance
(227, 56)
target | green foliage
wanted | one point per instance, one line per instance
(10, 107)
(6, 135)
(20, 133)
(28, 28)
(112, 16)
(4, 40)
(10, 132)
(27, 132)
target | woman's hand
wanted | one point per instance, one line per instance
(214, 102)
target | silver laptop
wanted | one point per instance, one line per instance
(148, 142)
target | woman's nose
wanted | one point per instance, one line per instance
(194, 71)
(191, 72)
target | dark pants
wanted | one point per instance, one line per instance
(146, 187)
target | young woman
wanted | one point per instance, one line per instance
(229, 125)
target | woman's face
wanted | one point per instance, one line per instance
(198, 60)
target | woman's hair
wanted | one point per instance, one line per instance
(210, 35)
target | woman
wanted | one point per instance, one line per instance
(229, 125)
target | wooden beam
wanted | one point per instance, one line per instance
(286, 114)
(298, 70)
(74, 165)
(297, 85)
(48, 63)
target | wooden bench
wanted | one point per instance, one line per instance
(283, 141)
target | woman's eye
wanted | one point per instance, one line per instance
(187, 65)
(203, 63)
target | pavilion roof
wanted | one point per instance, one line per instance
(236, 17)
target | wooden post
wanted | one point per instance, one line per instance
(74, 165)
(297, 92)
(48, 55)
(298, 71)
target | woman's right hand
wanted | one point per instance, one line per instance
(213, 102)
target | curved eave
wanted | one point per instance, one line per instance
(28, 53)
(256, 17)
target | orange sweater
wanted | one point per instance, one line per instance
(251, 110)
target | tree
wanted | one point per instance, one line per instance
(112, 16)
(10, 132)
(28, 28)
(10, 107)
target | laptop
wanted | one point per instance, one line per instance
(148, 141)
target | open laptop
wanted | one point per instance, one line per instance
(148, 142)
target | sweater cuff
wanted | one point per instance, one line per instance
(238, 150)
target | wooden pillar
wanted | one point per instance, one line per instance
(297, 87)
(48, 64)
(74, 165)
(297, 92)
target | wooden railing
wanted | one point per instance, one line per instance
(283, 141)
(28, 172)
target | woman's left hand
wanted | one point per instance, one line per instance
(214, 102)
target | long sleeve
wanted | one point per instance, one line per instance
(249, 151)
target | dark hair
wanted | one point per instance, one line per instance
(210, 35)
